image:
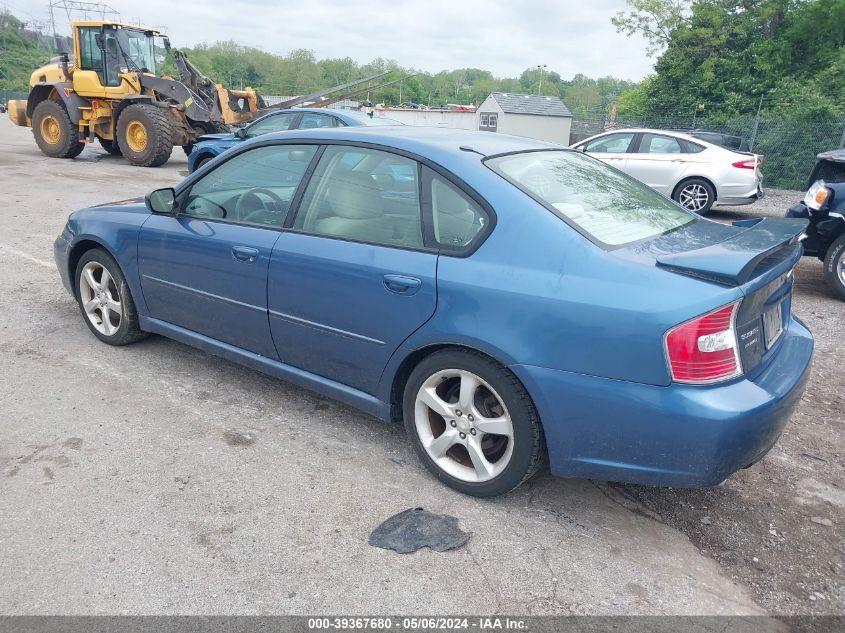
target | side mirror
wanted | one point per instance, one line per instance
(241, 133)
(161, 200)
(167, 43)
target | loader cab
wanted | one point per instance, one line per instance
(104, 51)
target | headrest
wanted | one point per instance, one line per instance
(447, 200)
(355, 196)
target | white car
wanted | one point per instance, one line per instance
(694, 173)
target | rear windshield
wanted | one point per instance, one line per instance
(612, 208)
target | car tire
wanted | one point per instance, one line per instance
(107, 309)
(202, 161)
(460, 447)
(54, 132)
(696, 195)
(834, 267)
(145, 135)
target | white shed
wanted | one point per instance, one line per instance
(542, 118)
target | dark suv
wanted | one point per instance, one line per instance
(824, 206)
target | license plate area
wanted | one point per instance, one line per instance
(773, 324)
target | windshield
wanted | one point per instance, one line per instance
(136, 50)
(602, 202)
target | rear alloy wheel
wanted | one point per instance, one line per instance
(834, 267)
(54, 132)
(104, 299)
(472, 423)
(145, 134)
(695, 195)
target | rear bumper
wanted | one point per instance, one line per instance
(738, 201)
(61, 253)
(680, 435)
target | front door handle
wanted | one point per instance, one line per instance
(244, 254)
(401, 285)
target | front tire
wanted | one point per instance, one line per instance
(104, 299)
(54, 132)
(472, 423)
(145, 135)
(834, 267)
(696, 195)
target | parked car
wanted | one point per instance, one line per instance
(2, 108)
(695, 173)
(210, 145)
(824, 207)
(521, 302)
(728, 141)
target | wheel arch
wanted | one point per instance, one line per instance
(413, 358)
(61, 92)
(77, 251)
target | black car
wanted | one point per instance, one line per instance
(728, 141)
(2, 108)
(824, 206)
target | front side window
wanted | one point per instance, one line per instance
(364, 195)
(612, 208)
(273, 123)
(610, 144)
(255, 187)
(656, 144)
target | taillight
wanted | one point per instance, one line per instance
(751, 163)
(705, 349)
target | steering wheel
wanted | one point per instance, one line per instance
(247, 214)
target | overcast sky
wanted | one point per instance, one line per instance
(505, 37)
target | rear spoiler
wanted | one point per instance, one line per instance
(734, 261)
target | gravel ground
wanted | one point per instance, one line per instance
(779, 527)
(155, 479)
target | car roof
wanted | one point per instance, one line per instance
(645, 130)
(428, 142)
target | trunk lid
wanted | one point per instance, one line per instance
(758, 257)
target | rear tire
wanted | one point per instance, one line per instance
(696, 195)
(54, 132)
(202, 161)
(145, 135)
(834, 267)
(472, 423)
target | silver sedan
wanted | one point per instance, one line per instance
(693, 172)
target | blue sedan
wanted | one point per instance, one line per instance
(210, 145)
(517, 303)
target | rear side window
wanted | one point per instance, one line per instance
(456, 219)
(656, 144)
(364, 195)
(605, 204)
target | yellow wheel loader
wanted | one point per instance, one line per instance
(107, 89)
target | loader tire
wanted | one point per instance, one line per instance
(54, 132)
(145, 135)
(110, 146)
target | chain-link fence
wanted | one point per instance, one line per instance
(789, 146)
(8, 95)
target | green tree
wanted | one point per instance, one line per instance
(655, 20)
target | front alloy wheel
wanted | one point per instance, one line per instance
(104, 299)
(472, 423)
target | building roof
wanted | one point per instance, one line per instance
(530, 104)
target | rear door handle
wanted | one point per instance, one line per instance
(401, 285)
(244, 254)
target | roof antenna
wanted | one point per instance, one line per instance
(467, 148)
